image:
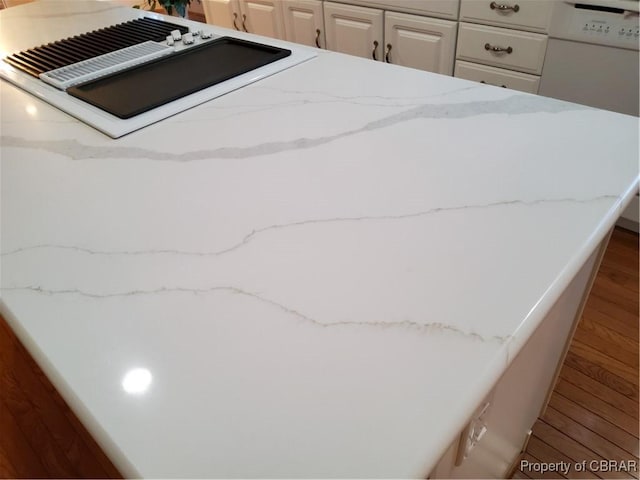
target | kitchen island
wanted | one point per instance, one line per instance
(327, 273)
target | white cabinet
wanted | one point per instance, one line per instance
(515, 54)
(403, 39)
(262, 17)
(304, 22)
(354, 30)
(224, 13)
(419, 42)
(299, 21)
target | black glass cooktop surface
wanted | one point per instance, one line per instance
(142, 88)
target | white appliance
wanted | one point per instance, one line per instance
(592, 59)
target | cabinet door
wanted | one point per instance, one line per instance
(502, 47)
(263, 17)
(224, 13)
(354, 30)
(303, 22)
(420, 42)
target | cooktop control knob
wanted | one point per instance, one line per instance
(176, 35)
(170, 41)
(204, 35)
(187, 39)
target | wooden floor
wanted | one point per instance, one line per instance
(593, 412)
(592, 415)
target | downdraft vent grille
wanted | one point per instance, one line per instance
(88, 45)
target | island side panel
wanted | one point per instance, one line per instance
(522, 393)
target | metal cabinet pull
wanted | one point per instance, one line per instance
(488, 46)
(244, 26)
(375, 47)
(318, 38)
(386, 54)
(486, 83)
(235, 17)
(503, 7)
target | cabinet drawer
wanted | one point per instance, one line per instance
(434, 8)
(497, 76)
(531, 15)
(522, 51)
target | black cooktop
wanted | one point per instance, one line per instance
(131, 92)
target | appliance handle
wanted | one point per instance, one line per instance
(626, 6)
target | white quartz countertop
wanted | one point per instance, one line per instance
(324, 272)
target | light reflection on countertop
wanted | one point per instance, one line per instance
(137, 381)
(31, 110)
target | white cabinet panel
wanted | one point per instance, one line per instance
(263, 17)
(420, 42)
(224, 13)
(531, 15)
(354, 30)
(304, 22)
(502, 47)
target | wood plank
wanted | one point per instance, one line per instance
(600, 390)
(601, 309)
(626, 242)
(540, 449)
(519, 474)
(632, 237)
(619, 261)
(613, 365)
(602, 375)
(586, 437)
(597, 424)
(624, 298)
(623, 251)
(7, 470)
(608, 342)
(14, 442)
(621, 278)
(561, 442)
(30, 421)
(597, 406)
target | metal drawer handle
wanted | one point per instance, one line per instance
(244, 19)
(386, 54)
(375, 47)
(235, 17)
(503, 86)
(503, 7)
(318, 37)
(488, 46)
